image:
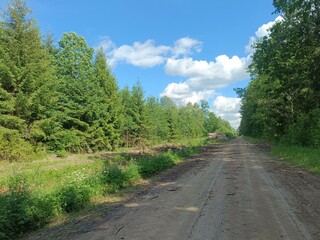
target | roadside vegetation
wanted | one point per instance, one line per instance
(282, 102)
(304, 157)
(36, 193)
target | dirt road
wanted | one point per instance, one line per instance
(229, 191)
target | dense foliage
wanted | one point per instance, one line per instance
(282, 102)
(63, 97)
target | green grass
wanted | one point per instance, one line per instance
(33, 193)
(307, 158)
(304, 157)
(49, 174)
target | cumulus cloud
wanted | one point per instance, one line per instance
(145, 54)
(203, 77)
(213, 74)
(263, 30)
(228, 109)
(182, 94)
(148, 54)
(186, 46)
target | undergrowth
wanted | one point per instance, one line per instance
(307, 158)
(27, 203)
(304, 157)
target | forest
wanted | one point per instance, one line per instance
(63, 97)
(62, 112)
(282, 101)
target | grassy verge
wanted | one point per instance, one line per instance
(307, 158)
(32, 194)
(304, 157)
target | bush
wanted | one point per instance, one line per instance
(13, 208)
(12, 145)
(315, 128)
(22, 211)
(150, 165)
(73, 197)
(117, 177)
(131, 173)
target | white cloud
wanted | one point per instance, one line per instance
(185, 46)
(148, 54)
(203, 77)
(263, 30)
(107, 44)
(249, 47)
(145, 54)
(228, 109)
(209, 75)
(181, 93)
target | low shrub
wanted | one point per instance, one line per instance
(73, 197)
(131, 173)
(117, 177)
(150, 165)
(13, 146)
(22, 211)
(14, 208)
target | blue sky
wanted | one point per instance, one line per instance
(185, 49)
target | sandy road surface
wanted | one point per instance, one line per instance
(230, 191)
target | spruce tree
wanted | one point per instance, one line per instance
(171, 113)
(110, 97)
(127, 125)
(157, 129)
(138, 115)
(26, 77)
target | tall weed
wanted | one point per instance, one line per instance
(22, 211)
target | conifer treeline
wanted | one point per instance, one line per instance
(63, 97)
